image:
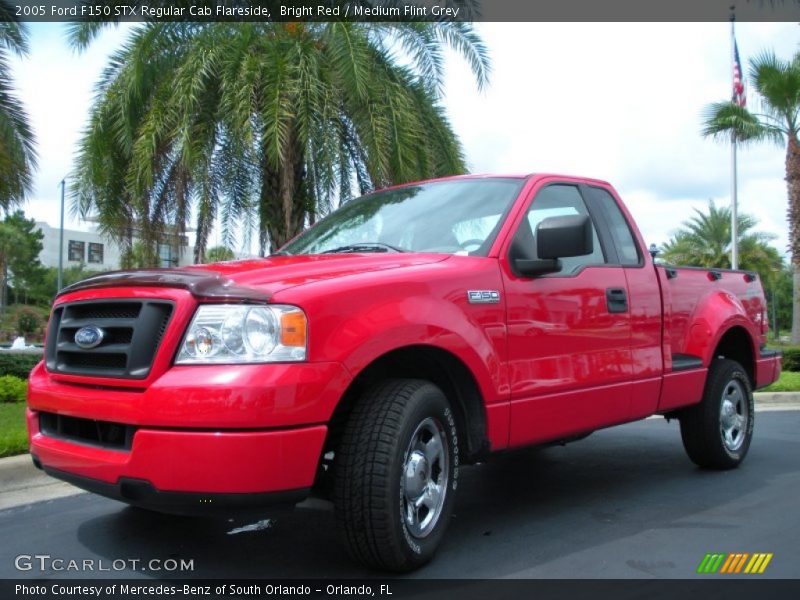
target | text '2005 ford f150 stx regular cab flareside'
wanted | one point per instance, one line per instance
(413, 331)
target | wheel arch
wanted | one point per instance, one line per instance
(440, 367)
(737, 344)
(722, 326)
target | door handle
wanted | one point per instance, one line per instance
(617, 300)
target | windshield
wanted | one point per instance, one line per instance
(460, 216)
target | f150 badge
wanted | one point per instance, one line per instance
(483, 296)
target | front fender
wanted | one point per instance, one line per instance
(356, 324)
(418, 321)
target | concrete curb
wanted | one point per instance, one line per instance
(22, 483)
(777, 397)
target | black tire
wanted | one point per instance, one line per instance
(373, 468)
(713, 436)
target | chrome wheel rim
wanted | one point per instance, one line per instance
(425, 477)
(734, 415)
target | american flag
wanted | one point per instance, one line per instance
(738, 83)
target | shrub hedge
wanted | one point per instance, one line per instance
(18, 364)
(12, 389)
(28, 321)
(791, 359)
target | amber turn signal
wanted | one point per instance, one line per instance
(293, 329)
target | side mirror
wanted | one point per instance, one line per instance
(561, 237)
(557, 237)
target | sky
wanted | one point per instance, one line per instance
(619, 102)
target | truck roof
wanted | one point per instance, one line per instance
(589, 180)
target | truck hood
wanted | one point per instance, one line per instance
(255, 279)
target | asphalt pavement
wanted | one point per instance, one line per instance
(624, 503)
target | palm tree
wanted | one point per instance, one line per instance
(777, 83)
(705, 241)
(266, 122)
(17, 153)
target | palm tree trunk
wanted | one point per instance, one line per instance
(268, 207)
(282, 197)
(201, 240)
(793, 185)
(292, 198)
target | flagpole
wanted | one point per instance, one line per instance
(734, 199)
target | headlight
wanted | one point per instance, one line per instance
(240, 333)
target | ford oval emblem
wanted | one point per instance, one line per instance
(90, 336)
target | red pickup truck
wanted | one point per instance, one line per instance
(413, 331)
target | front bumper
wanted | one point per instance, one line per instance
(174, 468)
(217, 435)
(211, 397)
(141, 493)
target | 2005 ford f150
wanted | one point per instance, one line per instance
(413, 331)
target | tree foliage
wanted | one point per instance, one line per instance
(10, 238)
(44, 287)
(705, 241)
(776, 120)
(219, 254)
(20, 245)
(28, 321)
(22, 263)
(779, 303)
(139, 255)
(270, 124)
(17, 150)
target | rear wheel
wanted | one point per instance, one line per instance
(396, 474)
(717, 432)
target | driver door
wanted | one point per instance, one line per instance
(569, 354)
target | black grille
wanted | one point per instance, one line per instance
(79, 360)
(104, 434)
(121, 310)
(132, 332)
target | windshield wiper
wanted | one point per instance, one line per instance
(363, 247)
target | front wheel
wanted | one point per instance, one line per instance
(717, 432)
(396, 473)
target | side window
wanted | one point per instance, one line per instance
(557, 201)
(620, 231)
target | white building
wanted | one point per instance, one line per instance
(98, 253)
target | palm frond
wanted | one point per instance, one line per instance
(271, 123)
(704, 240)
(17, 143)
(465, 40)
(13, 33)
(81, 34)
(778, 83)
(725, 120)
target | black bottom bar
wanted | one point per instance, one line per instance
(142, 493)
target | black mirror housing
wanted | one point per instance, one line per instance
(532, 268)
(561, 237)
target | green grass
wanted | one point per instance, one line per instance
(13, 434)
(789, 382)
